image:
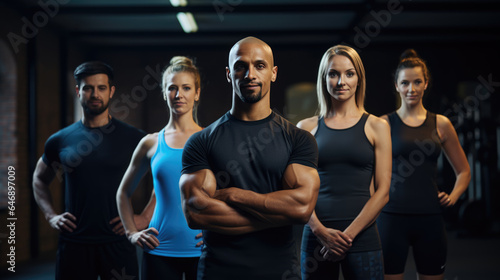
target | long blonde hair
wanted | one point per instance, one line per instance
(324, 98)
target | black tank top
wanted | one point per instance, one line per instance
(415, 151)
(345, 166)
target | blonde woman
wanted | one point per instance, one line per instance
(355, 171)
(171, 248)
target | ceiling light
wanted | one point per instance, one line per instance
(187, 22)
(177, 3)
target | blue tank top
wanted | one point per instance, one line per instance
(176, 238)
(415, 151)
(345, 167)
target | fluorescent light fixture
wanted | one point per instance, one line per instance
(187, 22)
(177, 3)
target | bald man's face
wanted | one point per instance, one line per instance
(251, 71)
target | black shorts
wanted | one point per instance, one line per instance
(115, 260)
(424, 233)
(160, 267)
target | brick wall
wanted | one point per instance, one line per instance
(14, 131)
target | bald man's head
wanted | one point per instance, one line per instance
(256, 42)
(251, 69)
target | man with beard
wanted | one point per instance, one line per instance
(92, 156)
(248, 177)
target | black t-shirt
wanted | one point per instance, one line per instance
(93, 161)
(415, 151)
(253, 156)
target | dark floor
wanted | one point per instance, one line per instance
(469, 258)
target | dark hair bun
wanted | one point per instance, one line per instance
(409, 53)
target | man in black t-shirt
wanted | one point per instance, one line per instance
(248, 177)
(92, 156)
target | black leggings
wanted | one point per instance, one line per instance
(159, 267)
(424, 233)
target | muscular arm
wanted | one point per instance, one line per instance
(294, 204)
(289, 206)
(456, 156)
(42, 177)
(203, 211)
(379, 131)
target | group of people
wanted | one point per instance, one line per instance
(226, 196)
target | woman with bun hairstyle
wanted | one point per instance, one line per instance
(413, 216)
(171, 248)
(354, 166)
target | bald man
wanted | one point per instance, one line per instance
(248, 177)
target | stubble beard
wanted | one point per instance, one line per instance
(250, 98)
(94, 112)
